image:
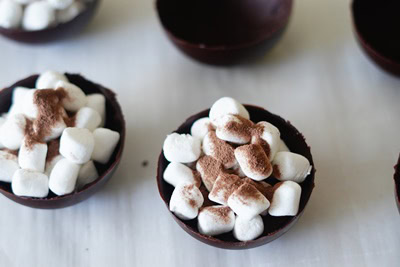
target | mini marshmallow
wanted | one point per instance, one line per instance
(177, 173)
(87, 118)
(30, 109)
(209, 169)
(238, 171)
(50, 164)
(29, 183)
(77, 145)
(32, 157)
(290, 166)
(18, 97)
(246, 230)
(2, 121)
(70, 12)
(49, 79)
(10, 14)
(227, 105)
(182, 148)
(87, 174)
(60, 4)
(8, 166)
(219, 149)
(253, 161)
(234, 129)
(106, 141)
(98, 103)
(286, 199)
(223, 187)
(247, 201)
(76, 98)
(215, 220)
(38, 16)
(201, 127)
(186, 201)
(24, 2)
(271, 135)
(63, 177)
(56, 130)
(12, 131)
(264, 188)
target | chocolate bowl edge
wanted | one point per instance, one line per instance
(397, 183)
(57, 32)
(274, 227)
(114, 121)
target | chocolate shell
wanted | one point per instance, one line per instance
(397, 183)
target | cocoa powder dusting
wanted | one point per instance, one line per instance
(12, 152)
(227, 184)
(222, 150)
(197, 178)
(53, 150)
(188, 195)
(257, 140)
(247, 193)
(276, 172)
(211, 168)
(221, 212)
(257, 159)
(243, 128)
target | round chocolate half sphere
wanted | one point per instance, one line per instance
(224, 32)
(114, 121)
(60, 31)
(376, 29)
(397, 183)
(274, 227)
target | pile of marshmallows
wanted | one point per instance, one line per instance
(35, 15)
(50, 138)
(232, 156)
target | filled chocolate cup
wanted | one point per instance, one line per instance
(57, 32)
(114, 121)
(397, 183)
(224, 32)
(375, 25)
(274, 227)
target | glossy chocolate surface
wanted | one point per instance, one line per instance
(114, 121)
(224, 32)
(397, 183)
(58, 32)
(274, 227)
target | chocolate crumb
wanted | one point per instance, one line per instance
(145, 163)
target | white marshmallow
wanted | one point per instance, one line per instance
(76, 98)
(247, 201)
(8, 166)
(186, 201)
(60, 4)
(253, 161)
(50, 164)
(10, 14)
(231, 129)
(70, 12)
(32, 158)
(77, 145)
(56, 130)
(38, 16)
(238, 171)
(63, 177)
(283, 147)
(215, 220)
(12, 131)
(87, 174)
(98, 103)
(286, 200)
(223, 187)
(219, 149)
(182, 148)
(30, 109)
(18, 97)
(29, 183)
(290, 166)
(87, 118)
(209, 169)
(2, 121)
(49, 79)
(201, 127)
(177, 173)
(246, 230)
(270, 134)
(106, 141)
(24, 2)
(227, 105)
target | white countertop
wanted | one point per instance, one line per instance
(317, 77)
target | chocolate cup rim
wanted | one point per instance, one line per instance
(103, 176)
(262, 240)
(183, 42)
(367, 46)
(396, 178)
(91, 7)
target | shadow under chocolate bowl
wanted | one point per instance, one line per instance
(114, 121)
(224, 32)
(274, 227)
(58, 32)
(397, 183)
(376, 29)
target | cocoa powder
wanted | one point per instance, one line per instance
(222, 150)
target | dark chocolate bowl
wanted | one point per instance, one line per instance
(397, 183)
(274, 227)
(114, 121)
(375, 26)
(57, 32)
(224, 32)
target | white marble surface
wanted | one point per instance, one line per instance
(316, 76)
